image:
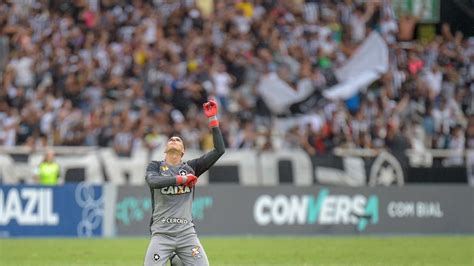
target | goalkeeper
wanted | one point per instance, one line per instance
(171, 183)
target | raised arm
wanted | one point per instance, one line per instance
(155, 180)
(203, 163)
(369, 11)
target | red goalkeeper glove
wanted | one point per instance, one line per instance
(188, 180)
(210, 109)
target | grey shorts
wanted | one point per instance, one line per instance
(187, 247)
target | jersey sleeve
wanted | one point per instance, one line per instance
(203, 163)
(155, 180)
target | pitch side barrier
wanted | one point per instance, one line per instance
(291, 210)
(346, 167)
(84, 210)
(71, 210)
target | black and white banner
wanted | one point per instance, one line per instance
(365, 66)
(249, 167)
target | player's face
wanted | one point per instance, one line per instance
(175, 143)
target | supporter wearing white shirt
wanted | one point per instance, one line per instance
(46, 120)
(357, 27)
(389, 29)
(123, 141)
(457, 143)
(10, 125)
(23, 68)
(358, 21)
(434, 79)
(328, 46)
(242, 23)
(222, 84)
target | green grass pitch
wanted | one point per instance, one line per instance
(410, 250)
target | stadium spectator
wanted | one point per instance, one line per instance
(48, 171)
(470, 133)
(407, 23)
(121, 74)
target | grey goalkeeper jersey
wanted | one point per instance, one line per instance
(172, 204)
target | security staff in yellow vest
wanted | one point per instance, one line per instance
(48, 170)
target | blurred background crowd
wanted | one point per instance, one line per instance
(130, 73)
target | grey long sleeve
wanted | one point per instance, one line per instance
(203, 163)
(155, 180)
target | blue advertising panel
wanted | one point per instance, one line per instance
(68, 210)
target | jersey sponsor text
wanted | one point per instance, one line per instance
(175, 190)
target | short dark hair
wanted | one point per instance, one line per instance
(182, 141)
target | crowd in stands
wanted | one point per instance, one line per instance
(131, 73)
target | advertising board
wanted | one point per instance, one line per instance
(290, 210)
(69, 210)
